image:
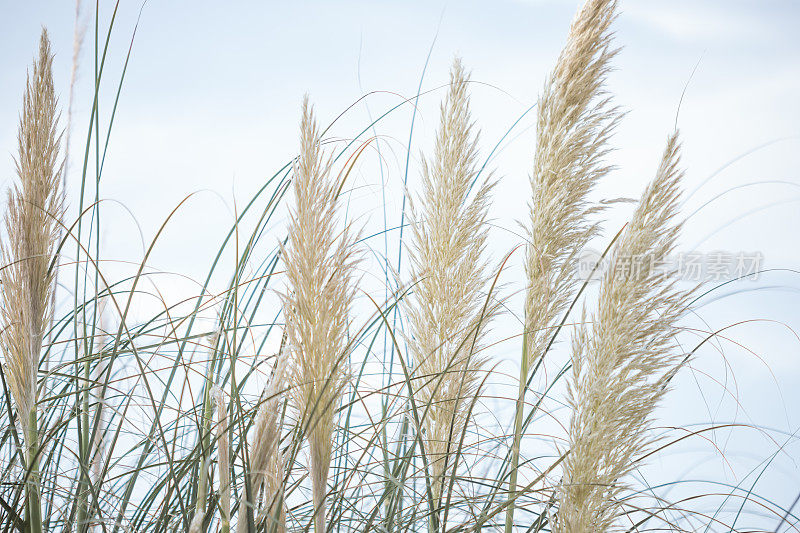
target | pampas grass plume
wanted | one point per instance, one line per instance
(265, 458)
(621, 366)
(320, 262)
(223, 460)
(448, 315)
(32, 226)
(574, 122)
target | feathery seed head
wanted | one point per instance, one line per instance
(320, 263)
(448, 315)
(621, 367)
(32, 217)
(575, 121)
(266, 461)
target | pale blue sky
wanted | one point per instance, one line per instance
(213, 88)
(212, 95)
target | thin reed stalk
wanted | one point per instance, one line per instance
(204, 435)
(29, 255)
(98, 377)
(621, 366)
(223, 461)
(97, 446)
(575, 119)
(447, 315)
(320, 261)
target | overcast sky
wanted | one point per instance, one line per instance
(213, 90)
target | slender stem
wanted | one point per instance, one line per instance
(84, 452)
(205, 445)
(202, 488)
(34, 500)
(512, 483)
(320, 489)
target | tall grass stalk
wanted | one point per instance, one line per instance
(205, 434)
(320, 262)
(574, 122)
(100, 423)
(32, 221)
(622, 364)
(447, 318)
(223, 460)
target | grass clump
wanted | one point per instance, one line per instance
(311, 404)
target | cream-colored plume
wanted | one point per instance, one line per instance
(320, 263)
(621, 364)
(32, 220)
(574, 122)
(266, 461)
(448, 313)
(223, 460)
